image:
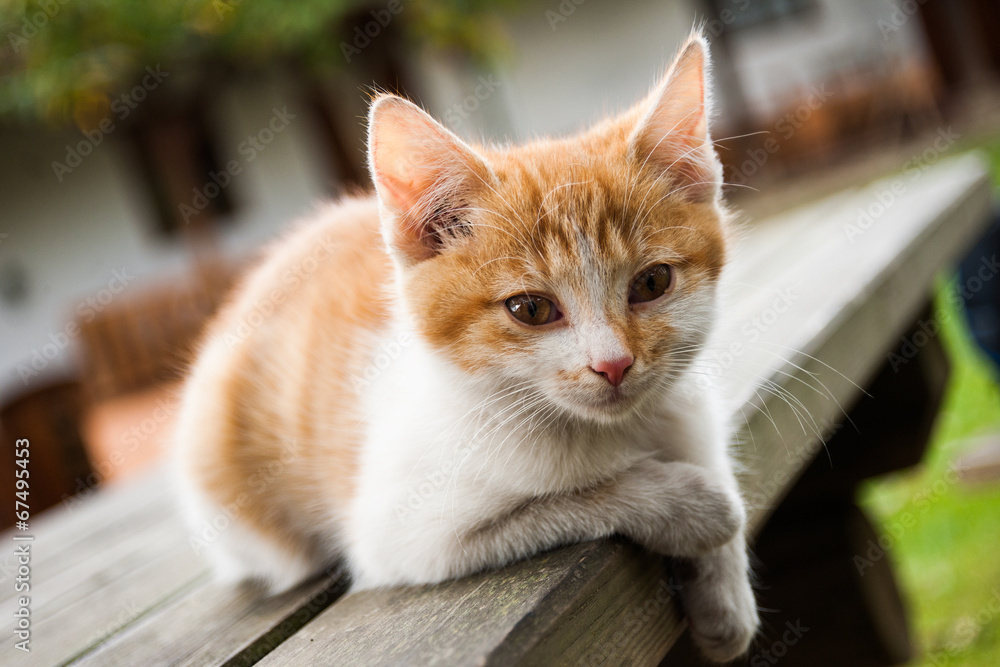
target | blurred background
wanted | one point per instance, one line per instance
(147, 150)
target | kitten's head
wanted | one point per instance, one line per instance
(582, 268)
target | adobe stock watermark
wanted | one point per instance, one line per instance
(415, 496)
(129, 612)
(485, 87)
(718, 361)
(32, 23)
(128, 442)
(785, 127)
(726, 17)
(638, 617)
(912, 170)
(782, 477)
(966, 630)
(122, 106)
(893, 531)
(363, 35)
(211, 528)
(249, 149)
(793, 634)
(383, 357)
(899, 15)
(290, 278)
(86, 310)
(562, 12)
(911, 344)
(419, 494)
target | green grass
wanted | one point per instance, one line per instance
(948, 559)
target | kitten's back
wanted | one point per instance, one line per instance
(290, 345)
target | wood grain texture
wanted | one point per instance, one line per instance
(810, 316)
(514, 615)
(214, 623)
(78, 529)
(107, 595)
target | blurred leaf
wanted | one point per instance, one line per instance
(58, 56)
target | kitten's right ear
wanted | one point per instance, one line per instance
(423, 175)
(672, 133)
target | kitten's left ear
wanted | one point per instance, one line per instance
(672, 133)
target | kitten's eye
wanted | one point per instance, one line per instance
(651, 284)
(533, 310)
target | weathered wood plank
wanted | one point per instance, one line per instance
(848, 316)
(108, 599)
(504, 617)
(73, 531)
(96, 566)
(853, 301)
(78, 581)
(217, 623)
(624, 608)
(62, 565)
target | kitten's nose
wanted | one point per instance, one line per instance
(613, 370)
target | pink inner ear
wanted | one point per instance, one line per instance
(402, 174)
(401, 195)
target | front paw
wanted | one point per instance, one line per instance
(723, 632)
(690, 514)
(720, 603)
(716, 517)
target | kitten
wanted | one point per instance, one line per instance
(484, 360)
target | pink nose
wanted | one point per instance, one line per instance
(614, 370)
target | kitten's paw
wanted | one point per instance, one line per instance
(726, 636)
(722, 614)
(715, 517)
(690, 514)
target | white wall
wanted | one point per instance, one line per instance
(773, 62)
(604, 56)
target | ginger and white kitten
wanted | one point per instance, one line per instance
(485, 360)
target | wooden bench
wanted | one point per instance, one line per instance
(814, 312)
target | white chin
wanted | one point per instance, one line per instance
(609, 410)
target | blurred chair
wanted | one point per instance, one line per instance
(132, 357)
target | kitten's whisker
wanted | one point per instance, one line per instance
(503, 199)
(530, 400)
(740, 136)
(667, 170)
(491, 450)
(491, 399)
(514, 449)
(748, 429)
(663, 137)
(819, 361)
(729, 184)
(495, 259)
(815, 376)
(553, 191)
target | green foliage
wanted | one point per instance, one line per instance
(57, 56)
